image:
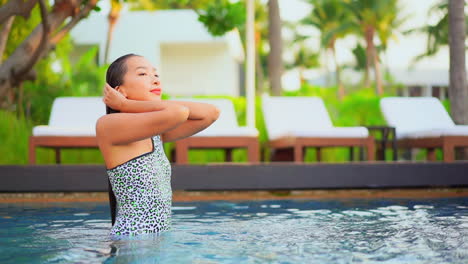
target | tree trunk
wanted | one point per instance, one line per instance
(112, 21)
(458, 90)
(369, 36)
(275, 65)
(327, 68)
(373, 58)
(21, 57)
(4, 35)
(378, 73)
(16, 8)
(341, 91)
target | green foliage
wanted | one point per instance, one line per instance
(58, 77)
(167, 4)
(14, 133)
(360, 56)
(83, 78)
(221, 16)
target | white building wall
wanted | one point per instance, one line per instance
(189, 59)
(198, 69)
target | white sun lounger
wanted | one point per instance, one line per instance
(294, 123)
(423, 122)
(225, 134)
(71, 125)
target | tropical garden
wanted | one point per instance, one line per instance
(36, 67)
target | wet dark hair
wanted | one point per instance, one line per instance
(114, 77)
(115, 74)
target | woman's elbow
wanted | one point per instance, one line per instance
(181, 113)
(214, 114)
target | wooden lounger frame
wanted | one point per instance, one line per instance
(283, 149)
(57, 143)
(226, 143)
(446, 143)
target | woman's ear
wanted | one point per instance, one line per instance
(121, 90)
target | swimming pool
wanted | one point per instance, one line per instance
(287, 231)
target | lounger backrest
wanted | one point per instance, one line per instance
(415, 113)
(76, 111)
(227, 116)
(285, 114)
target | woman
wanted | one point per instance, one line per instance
(130, 139)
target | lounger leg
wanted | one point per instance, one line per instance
(284, 154)
(449, 150)
(298, 154)
(181, 150)
(431, 155)
(57, 156)
(351, 154)
(172, 155)
(370, 149)
(32, 151)
(318, 154)
(228, 154)
(253, 151)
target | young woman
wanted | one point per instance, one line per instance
(130, 138)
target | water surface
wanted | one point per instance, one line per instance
(289, 231)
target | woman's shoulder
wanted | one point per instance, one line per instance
(103, 122)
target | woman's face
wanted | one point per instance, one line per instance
(141, 81)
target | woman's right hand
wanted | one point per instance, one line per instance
(113, 98)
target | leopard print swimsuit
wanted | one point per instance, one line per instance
(142, 187)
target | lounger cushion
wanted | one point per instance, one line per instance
(229, 132)
(417, 117)
(304, 117)
(437, 132)
(64, 131)
(226, 125)
(73, 116)
(334, 132)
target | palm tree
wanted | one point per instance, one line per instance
(374, 18)
(332, 18)
(451, 29)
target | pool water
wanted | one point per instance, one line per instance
(288, 231)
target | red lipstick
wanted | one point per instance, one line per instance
(156, 91)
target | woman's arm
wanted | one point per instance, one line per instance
(116, 101)
(124, 128)
(201, 116)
